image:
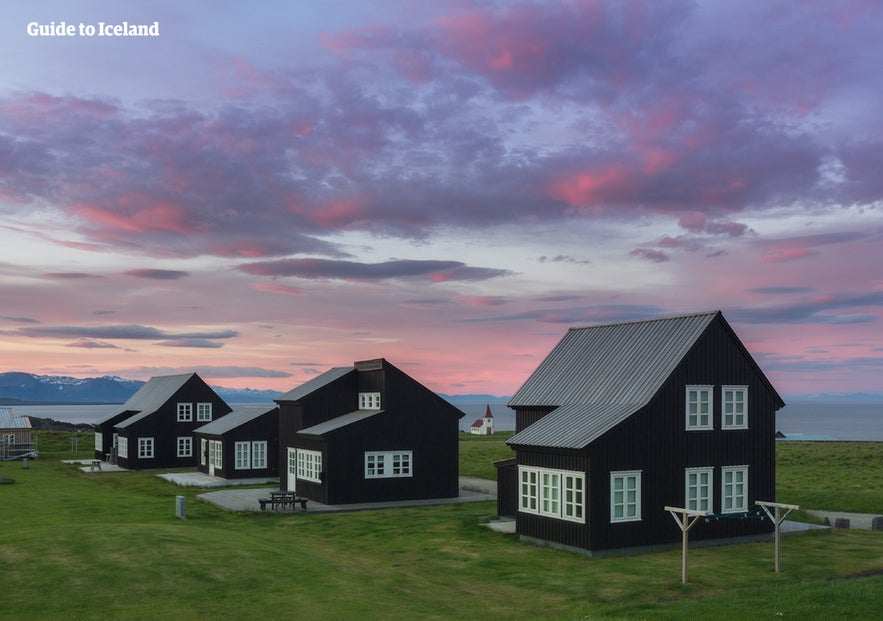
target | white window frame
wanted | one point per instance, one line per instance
(185, 446)
(145, 448)
(696, 503)
(573, 497)
(202, 445)
(626, 497)
(708, 402)
(259, 454)
(216, 453)
(292, 466)
(388, 464)
(242, 455)
(123, 447)
(554, 493)
(529, 485)
(369, 400)
(309, 465)
(204, 412)
(99, 441)
(730, 407)
(734, 492)
(185, 412)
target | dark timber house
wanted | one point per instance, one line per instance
(154, 428)
(621, 420)
(367, 433)
(242, 444)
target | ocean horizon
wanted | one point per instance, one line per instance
(808, 421)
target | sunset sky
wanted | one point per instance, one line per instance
(259, 194)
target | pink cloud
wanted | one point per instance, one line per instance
(589, 187)
(270, 287)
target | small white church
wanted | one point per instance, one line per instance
(484, 426)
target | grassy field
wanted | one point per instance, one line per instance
(77, 545)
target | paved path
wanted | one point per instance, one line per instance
(247, 500)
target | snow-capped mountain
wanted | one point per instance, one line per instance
(18, 386)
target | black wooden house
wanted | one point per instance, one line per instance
(367, 433)
(154, 427)
(624, 419)
(242, 444)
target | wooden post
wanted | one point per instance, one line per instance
(777, 517)
(687, 519)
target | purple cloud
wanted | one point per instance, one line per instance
(123, 332)
(157, 274)
(435, 271)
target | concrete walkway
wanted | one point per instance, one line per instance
(247, 500)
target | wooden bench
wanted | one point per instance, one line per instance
(283, 500)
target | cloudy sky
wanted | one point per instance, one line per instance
(259, 194)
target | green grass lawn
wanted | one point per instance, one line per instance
(77, 545)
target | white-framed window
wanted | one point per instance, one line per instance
(625, 496)
(734, 489)
(242, 453)
(123, 447)
(8, 438)
(388, 464)
(309, 465)
(216, 453)
(369, 400)
(699, 489)
(202, 451)
(185, 412)
(99, 441)
(292, 467)
(259, 454)
(145, 448)
(573, 502)
(529, 486)
(185, 446)
(734, 407)
(204, 412)
(552, 493)
(699, 412)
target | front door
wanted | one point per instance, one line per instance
(292, 470)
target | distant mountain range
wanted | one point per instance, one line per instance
(21, 388)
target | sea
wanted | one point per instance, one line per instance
(797, 421)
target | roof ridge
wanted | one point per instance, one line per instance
(636, 321)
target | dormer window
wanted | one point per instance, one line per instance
(369, 400)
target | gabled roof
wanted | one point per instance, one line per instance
(8, 420)
(234, 419)
(150, 397)
(487, 411)
(598, 376)
(339, 422)
(310, 386)
(477, 423)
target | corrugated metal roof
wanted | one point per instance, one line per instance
(603, 374)
(314, 384)
(8, 420)
(150, 397)
(234, 419)
(340, 421)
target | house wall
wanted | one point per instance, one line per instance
(525, 417)
(329, 401)
(163, 427)
(655, 441)
(264, 428)
(412, 418)
(106, 429)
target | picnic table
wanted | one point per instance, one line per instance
(280, 499)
